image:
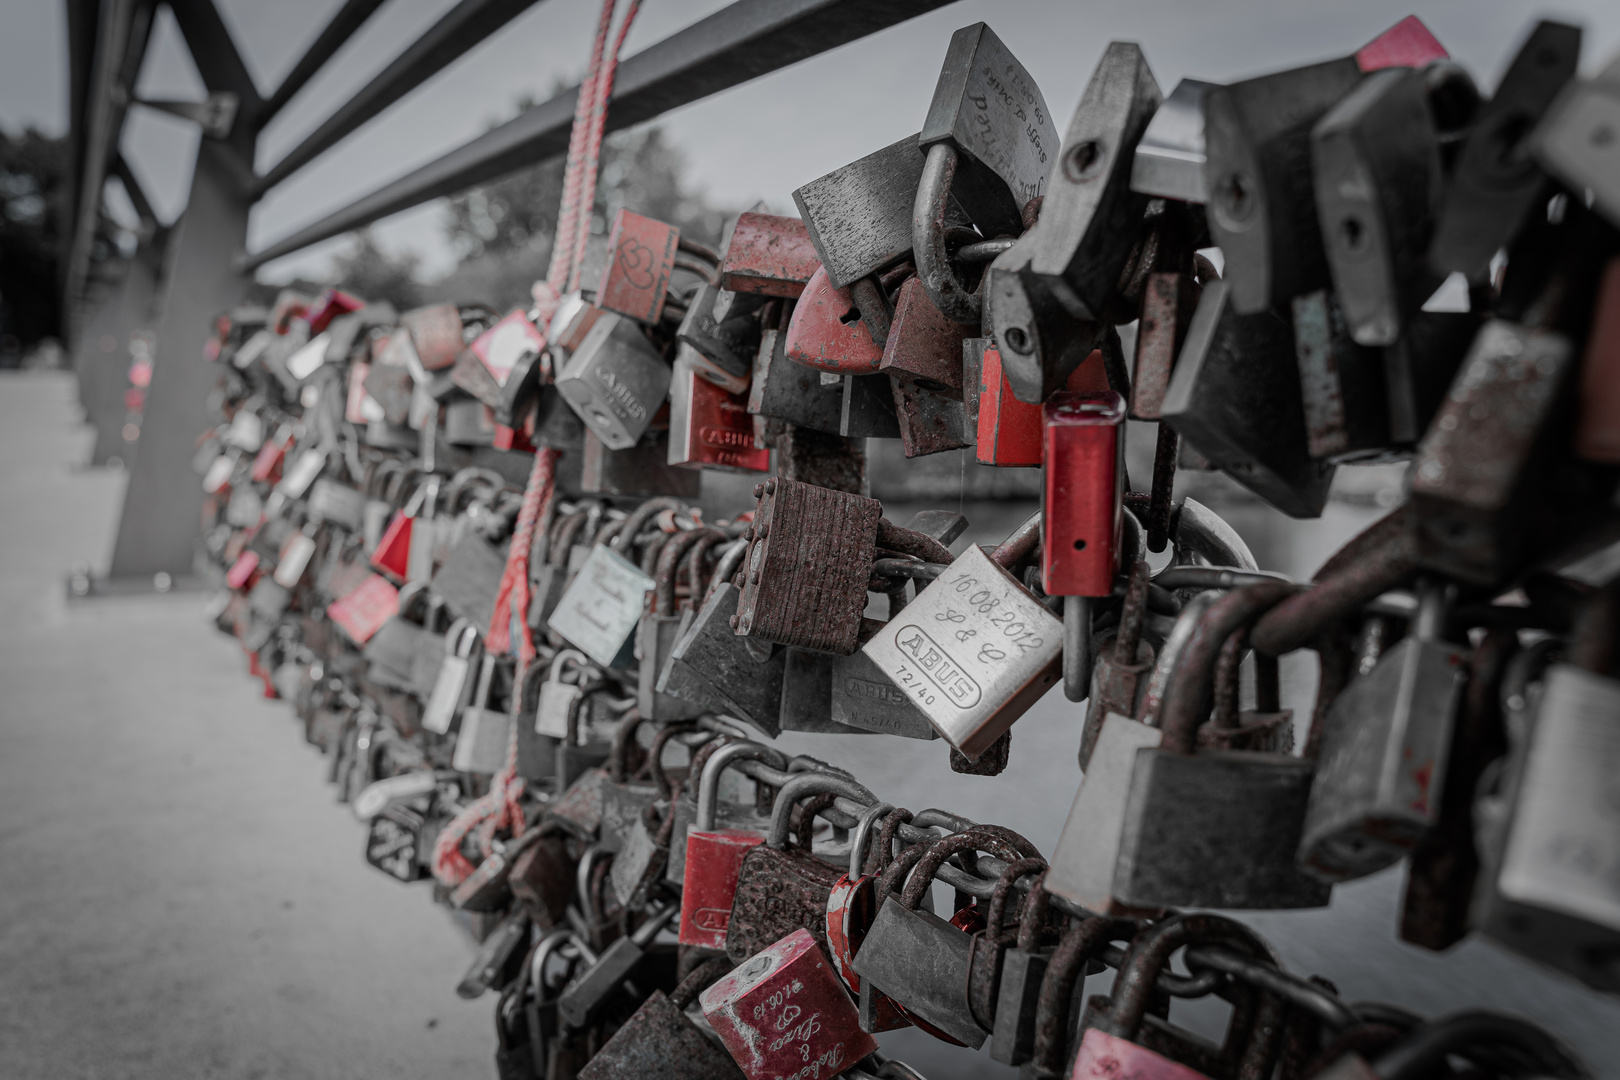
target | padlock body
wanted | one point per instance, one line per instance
(779, 891)
(1084, 486)
(921, 961)
(1108, 1057)
(499, 347)
(642, 257)
(615, 381)
(929, 423)
(711, 663)
(791, 392)
(974, 651)
(859, 216)
(481, 744)
(863, 697)
(769, 255)
(362, 612)
(551, 714)
(924, 348)
(727, 341)
(827, 332)
(784, 1013)
(622, 807)
(655, 640)
(659, 1043)
(709, 427)
(1342, 384)
(435, 334)
(640, 471)
(1382, 763)
(1012, 1040)
(709, 884)
(602, 605)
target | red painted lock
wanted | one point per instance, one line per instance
(828, 333)
(243, 571)
(392, 555)
(709, 426)
(1085, 485)
(435, 333)
(331, 304)
(517, 439)
(642, 256)
(849, 905)
(1406, 44)
(784, 1014)
(499, 347)
(770, 255)
(713, 860)
(1010, 431)
(1108, 1057)
(267, 463)
(362, 612)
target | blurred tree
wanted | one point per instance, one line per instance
(34, 192)
(367, 271)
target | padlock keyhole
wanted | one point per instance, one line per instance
(1079, 545)
(853, 315)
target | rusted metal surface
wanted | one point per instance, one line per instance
(1160, 497)
(1167, 306)
(1117, 684)
(993, 762)
(1085, 480)
(808, 564)
(924, 348)
(636, 277)
(892, 537)
(929, 423)
(859, 216)
(778, 891)
(1374, 562)
(828, 332)
(989, 947)
(769, 254)
(709, 427)
(435, 332)
(1597, 430)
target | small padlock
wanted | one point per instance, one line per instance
(659, 629)
(783, 1012)
(1267, 727)
(723, 328)
(557, 697)
(1382, 763)
(1051, 1006)
(481, 743)
(709, 425)
(643, 856)
(713, 857)
(602, 606)
(616, 381)
(988, 953)
(781, 889)
(705, 802)
(361, 611)
(715, 667)
(1010, 432)
(791, 392)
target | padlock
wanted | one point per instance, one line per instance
(1597, 437)
(809, 560)
(974, 651)
(659, 629)
(1010, 431)
(1568, 142)
(990, 143)
(705, 802)
(864, 699)
(601, 607)
(343, 506)
(660, 1042)
(1382, 763)
(470, 577)
(1475, 1035)
(1549, 892)
(851, 903)
(792, 392)
(1268, 727)
(643, 856)
(1041, 1040)
(1342, 385)
(550, 577)
(640, 471)
(768, 255)
(868, 410)
(1169, 158)
(624, 797)
(709, 426)
(723, 327)
(715, 667)
(1211, 828)
(713, 857)
(636, 277)
(829, 332)
(929, 423)
(435, 334)
(583, 1000)
(987, 954)
(499, 348)
(807, 694)
(616, 381)
(1121, 1036)
(783, 1012)
(1045, 296)
(924, 348)
(1117, 678)
(919, 959)
(481, 743)
(295, 555)
(1168, 301)
(1496, 181)
(361, 612)
(557, 697)
(782, 889)
(1376, 162)
(1232, 369)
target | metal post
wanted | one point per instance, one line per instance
(161, 508)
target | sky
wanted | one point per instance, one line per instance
(755, 142)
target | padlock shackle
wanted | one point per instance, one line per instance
(655, 759)
(1518, 1041)
(562, 537)
(549, 944)
(1064, 969)
(623, 735)
(626, 535)
(1189, 687)
(1150, 953)
(1019, 545)
(861, 837)
(928, 249)
(710, 537)
(1379, 558)
(811, 783)
(995, 915)
(1164, 667)
(974, 839)
(644, 934)
(669, 561)
(457, 636)
(897, 538)
(725, 569)
(708, 794)
(1037, 906)
(1198, 530)
(1325, 1005)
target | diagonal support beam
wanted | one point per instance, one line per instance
(748, 39)
(216, 56)
(463, 28)
(350, 17)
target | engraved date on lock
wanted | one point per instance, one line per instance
(1004, 626)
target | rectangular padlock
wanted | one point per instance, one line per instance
(1084, 491)
(499, 348)
(859, 216)
(435, 334)
(337, 503)
(481, 743)
(640, 471)
(790, 392)
(867, 410)
(809, 558)
(723, 327)
(768, 255)
(616, 381)
(361, 612)
(808, 694)
(709, 427)
(924, 348)
(601, 607)
(713, 664)
(1341, 384)
(929, 423)
(470, 578)
(1010, 431)
(864, 699)
(636, 278)
(1234, 369)
(974, 651)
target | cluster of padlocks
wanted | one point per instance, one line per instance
(467, 548)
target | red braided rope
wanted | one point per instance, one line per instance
(562, 248)
(600, 98)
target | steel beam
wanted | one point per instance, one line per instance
(350, 17)
(463, 28)
(742, 42)
(216, 56)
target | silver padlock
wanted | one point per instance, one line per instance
(450, 688)
(482, 741)
(602, 606)
(615, 381)
(557, 697)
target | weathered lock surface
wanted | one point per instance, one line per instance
(1085, 481)
(602, 605)
(481, 744)
(1342, 384)
(1570, 144)
(929, 423)
(362, 611)
(768, 255)
(974, 651)
(639, 471)
(1382, 763)
(828, 332)
(1068, 265)
(1376, 160)
(1118, 682)
(1233, 370)
(616, 381)
(864, 698)
(709, 426)
(868, 408)
(924, 347)
(1495, 181)
(660, 1042)
(637, 274)
(724, 327)
(792, 392)
(859, 216)
(1169, 159)
(1168, 302)
(1476, 464)
(435, 334)
(739, 677)
(809, 559)
(1011, 432)
(783, 1013)
(470, 578)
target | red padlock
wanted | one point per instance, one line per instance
(849, 905)
(392, 555)
(828, 333)
(362, 612)
(713, 859)
(1011, 431)
(783, 1013)
(637, 274)
(709, 426)
(243, 571)
(1085, 486)
(770, 255)
(332, 303)
(499, 347)
(267, 463)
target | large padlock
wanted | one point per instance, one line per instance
(1343, 385)
(660, 1042)
(599, 611)
(791, 392)
(1495, 181)
(974, 651)
(1212, 828)
(705, 803)
(1010, 432)
(640, 471)
(920, 960)
(1381, 767)
(1550, 891)
(709, 425)
(990, 143)
(768, 255)
(780, 888)
(1232, 369)
(713, 856)
(809, 560)
(1047, 294)
(616, 381)
(783, 1012)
